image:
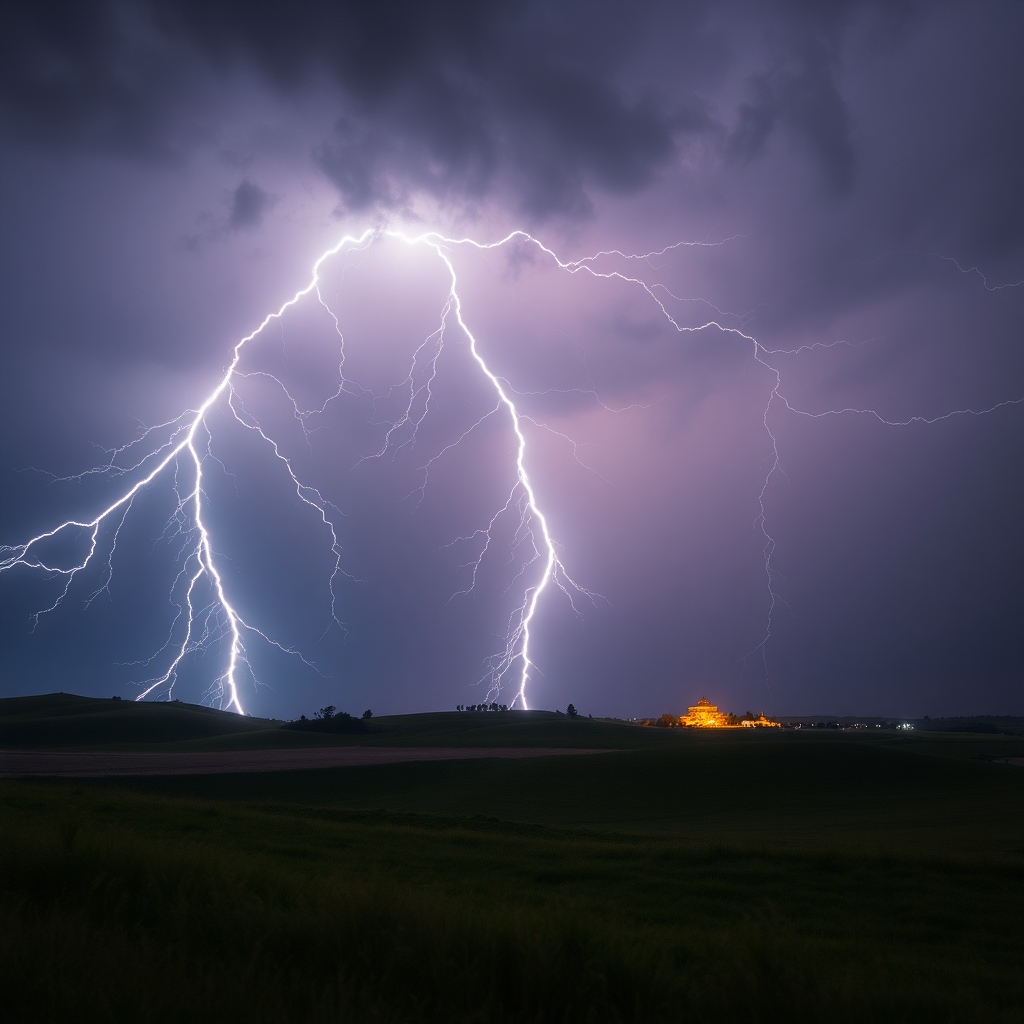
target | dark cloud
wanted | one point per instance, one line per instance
(848, 151)
(806, 101)
(454, 98)
(93, 76)
(248, 204)
(433, 95)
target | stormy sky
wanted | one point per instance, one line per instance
(828, 375)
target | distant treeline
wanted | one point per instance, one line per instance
(329, 719)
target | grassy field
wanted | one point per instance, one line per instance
(687, 877)
(788, 792)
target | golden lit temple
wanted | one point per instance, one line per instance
(705, 715)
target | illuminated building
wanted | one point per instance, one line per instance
(705, 715)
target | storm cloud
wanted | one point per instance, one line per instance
(845, 176)
(455, 98)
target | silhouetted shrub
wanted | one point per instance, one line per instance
(337, 721)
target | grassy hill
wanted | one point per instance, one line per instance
(67, 721)
(61, 721)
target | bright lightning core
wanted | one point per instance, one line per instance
(205, 613)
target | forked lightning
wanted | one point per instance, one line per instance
(179, 449)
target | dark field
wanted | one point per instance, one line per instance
(709, 877)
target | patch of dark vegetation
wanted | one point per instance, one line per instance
(330, 719)
(371, 916)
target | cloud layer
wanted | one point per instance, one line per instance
(851, 171)
(456, 98)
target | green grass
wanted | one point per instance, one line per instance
(125, 907)
(714, 877)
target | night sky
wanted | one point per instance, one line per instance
(847, 179)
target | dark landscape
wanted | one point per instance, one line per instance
(752, 875)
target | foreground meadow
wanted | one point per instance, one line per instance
(691, 877)
(125, 907)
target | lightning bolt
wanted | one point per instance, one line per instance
(205, 613)
(189, 442)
